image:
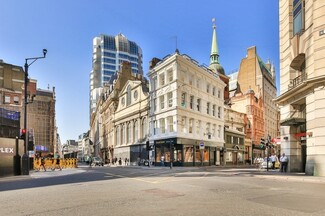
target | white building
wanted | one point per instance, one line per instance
(186, 112)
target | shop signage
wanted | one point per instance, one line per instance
(166, 141)
(6, 150)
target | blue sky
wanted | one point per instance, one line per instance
(66, 29)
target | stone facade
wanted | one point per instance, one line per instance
(186, 112)
(258, 76)
(302, 81)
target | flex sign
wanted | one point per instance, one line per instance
(6, 150)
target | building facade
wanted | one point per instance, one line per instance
(258, 76)
(302, 80)
(253, 106)
(186, 112)
(235, 151)
(131, 122)
(108, 54)
(41, 123)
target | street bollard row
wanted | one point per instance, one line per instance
(51, 163)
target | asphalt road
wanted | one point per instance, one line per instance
(161, 191)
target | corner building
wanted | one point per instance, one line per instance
(186, 112)
(302, 81)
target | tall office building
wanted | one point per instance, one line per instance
(108, 53)
(302, 81)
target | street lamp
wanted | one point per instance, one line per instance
(25, 158)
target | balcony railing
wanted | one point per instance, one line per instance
(297, 81)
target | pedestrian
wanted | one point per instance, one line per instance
(58, 162)
(90, 160)
(284, 163)
(273, 160)
(120, 161)
(42, 162)
(126, 161)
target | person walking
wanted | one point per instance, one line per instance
(90, 159)
(273, 160)
(58, 161)
(284, 163)
(42, 162)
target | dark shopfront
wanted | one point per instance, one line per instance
(185, 152)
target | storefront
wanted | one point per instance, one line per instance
(185, 152)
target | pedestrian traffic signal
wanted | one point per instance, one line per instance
(23, 134)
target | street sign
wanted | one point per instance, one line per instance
(201, 145)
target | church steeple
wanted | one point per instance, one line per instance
(214, 56)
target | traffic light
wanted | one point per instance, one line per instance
(23, 134)
(262, 144)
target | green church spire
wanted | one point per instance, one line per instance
(214, 56)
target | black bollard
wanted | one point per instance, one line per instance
(17, 162)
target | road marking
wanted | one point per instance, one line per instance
(161, 179)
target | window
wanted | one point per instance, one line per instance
(214, 91)
(219, 93)
(190, 81)
(183, 99)
(170, 75)
(7, 99)
(155, 127)
(207, 130)
(219, 131)
(214, 130)
(128, 96)
(16, 99)
(144, 127)
(219, 112)
(154, 84)
(192, 102)
(198, 104)
(190, 128)
(162, 125)
(155, 104)
(198, 83)
(136, 131)
(214, 110)
(170, 99)
(208, 88)
(208, 108)
(128, 137)
(162, 102)
(118, 136)
(170, 124)
(122, 134)
(162, 79)
(198, 127)
(298, 16)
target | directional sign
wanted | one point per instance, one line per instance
(201, 145)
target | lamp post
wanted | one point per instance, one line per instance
(25, 158)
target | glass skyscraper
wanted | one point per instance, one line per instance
(108, 53)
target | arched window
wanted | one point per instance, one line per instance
(128, 96)
(128, 138)
(117, 135)
(144, 128)
(135, 132)
(122, 134)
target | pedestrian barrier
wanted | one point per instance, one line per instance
(50, 163)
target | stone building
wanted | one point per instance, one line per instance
(258, 76)
(112, 119)
(302, 81)
(186, 112)
(236, 151)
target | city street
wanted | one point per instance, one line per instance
(162, 191)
